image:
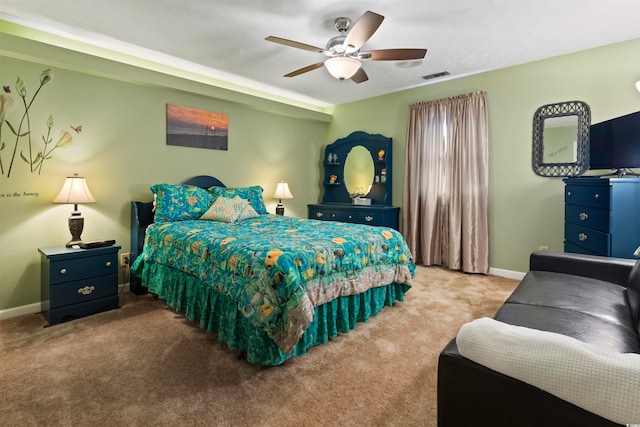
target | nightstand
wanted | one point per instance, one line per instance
(78, 282)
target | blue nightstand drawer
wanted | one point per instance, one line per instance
(586, 216)
(68, 270)
(596, 241)
(83, 290)
(71, 312)
(596, 196)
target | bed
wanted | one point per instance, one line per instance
(270, 286)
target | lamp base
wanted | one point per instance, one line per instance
(76, 225)
(73, 243)
(280, 209)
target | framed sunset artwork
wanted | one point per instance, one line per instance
(191, 127)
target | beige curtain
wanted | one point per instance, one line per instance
(445, 215)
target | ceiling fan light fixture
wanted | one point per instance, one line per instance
(342, 67)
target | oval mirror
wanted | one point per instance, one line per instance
(358, 171)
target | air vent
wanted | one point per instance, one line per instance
(436, 75)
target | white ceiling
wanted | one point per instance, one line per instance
(224, 39)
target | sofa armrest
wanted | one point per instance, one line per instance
(470, 394)
(614, 270)
(599, 380)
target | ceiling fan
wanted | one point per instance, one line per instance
(344, 50)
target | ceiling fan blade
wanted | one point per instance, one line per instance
(291, 43)
(362, 30)
(392, 54)
(360, 76)
(305, 69)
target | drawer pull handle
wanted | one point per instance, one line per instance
(63, 271)
(319, 214)
(597, 196)
(582, 237)
(86, 290)
(584, 216)
(368, 218)
(107, 264)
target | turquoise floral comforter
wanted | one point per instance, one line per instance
(278, 269)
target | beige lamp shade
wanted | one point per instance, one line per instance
(74, 191)
(282, 191)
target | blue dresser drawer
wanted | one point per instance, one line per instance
(574, 249)
(596, 241)
(587, 216)
(386, 216)
(323, 214)
(597, 196)
(68, 270)
(369, 218)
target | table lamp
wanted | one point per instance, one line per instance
(282, 192)
(75, 191)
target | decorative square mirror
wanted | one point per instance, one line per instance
(561, 139)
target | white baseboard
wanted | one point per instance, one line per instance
(36, 307)
(509, 274)
(20, 311)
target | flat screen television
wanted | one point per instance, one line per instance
(615, 144)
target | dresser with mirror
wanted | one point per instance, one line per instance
(357, 182)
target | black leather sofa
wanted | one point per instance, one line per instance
(593, 299)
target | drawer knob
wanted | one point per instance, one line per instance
(582, 237)
(350, 217)
(568, 193)
(368, 218)
(86, 290)
(107, 264)
(597, 196)
(583, 216)
(63, 271)
(319, 214)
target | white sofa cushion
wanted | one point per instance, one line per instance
(601, 381)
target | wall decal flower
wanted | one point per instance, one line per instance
(22, 132)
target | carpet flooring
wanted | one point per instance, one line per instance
(144, 364)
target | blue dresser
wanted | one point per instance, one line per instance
(602, 216)
(386, 216)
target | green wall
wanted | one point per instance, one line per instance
(526, 211)
(122, 150)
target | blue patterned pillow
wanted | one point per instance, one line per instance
(252, 194)
(179, 202)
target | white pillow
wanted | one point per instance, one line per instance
(248, 212)
(601, 381)
(225, 210)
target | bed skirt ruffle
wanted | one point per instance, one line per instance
(215, 312)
